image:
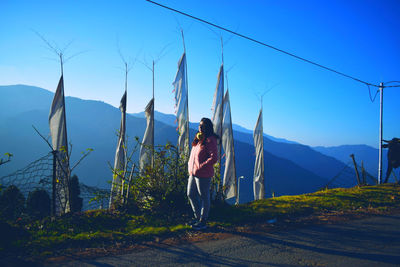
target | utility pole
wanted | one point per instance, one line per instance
(380, 133)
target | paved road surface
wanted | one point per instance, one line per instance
(373, 241)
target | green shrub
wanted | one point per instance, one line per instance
(76, 202)
(11, 235)
(12, 203)
(38, 204)
(162, 187)
(158, 189)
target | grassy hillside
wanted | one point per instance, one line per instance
(104, 229)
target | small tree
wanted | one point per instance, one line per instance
(12, 203)
(65, 158)
(76, 202)
(38, 204)
(161, 189)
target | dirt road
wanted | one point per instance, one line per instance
(373, 241)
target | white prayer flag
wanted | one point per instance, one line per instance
(218, 102)
(148, 138)
(181, 105)
(58, 128)
(229, 182)
(119, 160)
(258, 182)
(58, 133)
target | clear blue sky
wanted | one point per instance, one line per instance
(306, 104)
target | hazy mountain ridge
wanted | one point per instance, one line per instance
(94, 124)
(318, 162)
(170, 119)
(366, 154)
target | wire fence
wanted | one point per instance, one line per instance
(347, 177)
(39, 175)
(36, 175)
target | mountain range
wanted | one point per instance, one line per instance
(290, 167)
(366, 155)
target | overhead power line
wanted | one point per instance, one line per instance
(264, 44)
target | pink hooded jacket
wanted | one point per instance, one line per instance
(203, 157)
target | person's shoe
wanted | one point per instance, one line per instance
(199, 226)
(192, 222)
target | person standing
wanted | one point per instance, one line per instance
(203, 156)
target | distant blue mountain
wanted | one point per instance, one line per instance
(170, 119)
(320, 164)
(16, 99)
(290, 168)
(367, 155)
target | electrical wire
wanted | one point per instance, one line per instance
(267, 45)
(370, 97)
(392, 85)
(393, 82)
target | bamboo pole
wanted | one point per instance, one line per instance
(219, 191)
(123, 141)
(152, 132)
(54, 188)
(187, 138)
(220, 144)
(65, 183)
(233, 147)
(262, 146)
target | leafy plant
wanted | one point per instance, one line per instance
(38, 204)
(12, 203)
(4, 161)
(64, 185)
(76, 202)
(159, 188)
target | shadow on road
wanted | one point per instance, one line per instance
(373, 241)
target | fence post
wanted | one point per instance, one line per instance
(364, 180)
(355, 168)
(176, 166)
(395, 178)
(53, 182)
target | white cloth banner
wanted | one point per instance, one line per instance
(258, 182)
(218, 103)
(58, 129)
(148, 138)
(119, 160)
(229, 182)
(181, 105)
(58, 133)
